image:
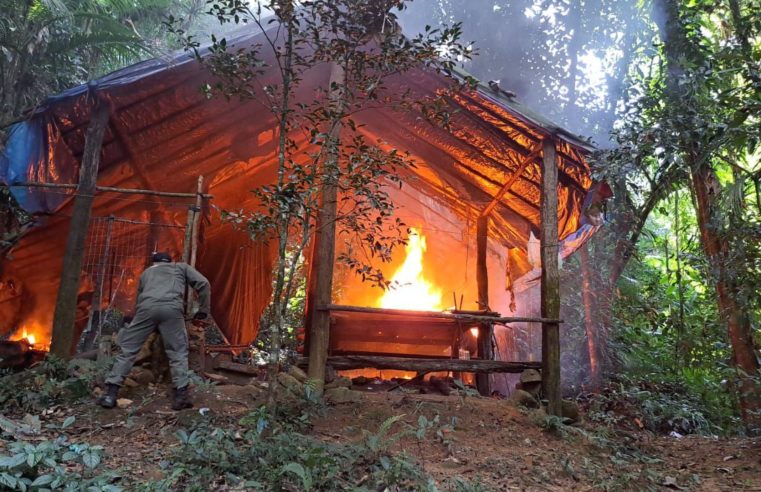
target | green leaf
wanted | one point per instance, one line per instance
(8, 480)
(12, 461)
(69, 420)
(69, 456)
(91, 460)
(43, 480)
(300, 472)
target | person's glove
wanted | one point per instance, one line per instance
(200, 315)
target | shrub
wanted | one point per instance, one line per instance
(54, 381)
(54, 464)
(212, 457)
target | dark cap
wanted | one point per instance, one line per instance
(161, 257)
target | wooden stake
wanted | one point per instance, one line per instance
(66, 301)
(325, 249)
(486, 329)
(196, 223)
(482, 233)
(186, 247)
(550, 280)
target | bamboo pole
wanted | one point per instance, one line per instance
(550, 280)
(66, 300)
(109, 189)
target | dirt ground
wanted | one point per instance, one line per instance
(489, 440)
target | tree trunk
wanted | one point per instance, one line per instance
(738, 323)
(324, 257)
(66, 301)
(589, 320)
(680, 51)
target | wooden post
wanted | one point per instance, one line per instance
(325, 247)
(196, 223)
(550, 280)
(66, 300)
(186, 247)
(485, 330)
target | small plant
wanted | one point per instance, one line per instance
(268, 454)
(442, 432)
(459, 484)
(52, 465)
(657, 407)
(465, 391)
(54, 381)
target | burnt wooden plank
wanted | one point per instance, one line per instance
(417, 364)
(436, 314)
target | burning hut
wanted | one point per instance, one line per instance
(474, 202)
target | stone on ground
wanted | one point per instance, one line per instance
(342, 382)
(342, 395)
(290, 382)
(524, 399)
(123, 402)
(570, 410)
(298, 373)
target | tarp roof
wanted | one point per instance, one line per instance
(164, 132)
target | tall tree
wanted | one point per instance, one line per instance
(697, 147)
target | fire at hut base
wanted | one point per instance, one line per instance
(19, 354)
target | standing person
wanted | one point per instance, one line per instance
(160, 306)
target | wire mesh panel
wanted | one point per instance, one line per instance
(117, 251)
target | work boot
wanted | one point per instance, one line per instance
(181, 399)
(108, 400)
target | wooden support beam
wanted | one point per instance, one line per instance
(511, 181)
(346, 362)
(110, 189)
(550, 280)
(437, 314)
(485, 329)
(325, 245)
(196, 222)
(66, 301)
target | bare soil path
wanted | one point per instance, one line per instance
(500, 446)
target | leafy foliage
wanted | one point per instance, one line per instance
(54, 381)
(288, 460)
(55, 464)
(657, 407)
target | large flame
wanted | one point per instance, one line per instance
(410, 289)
